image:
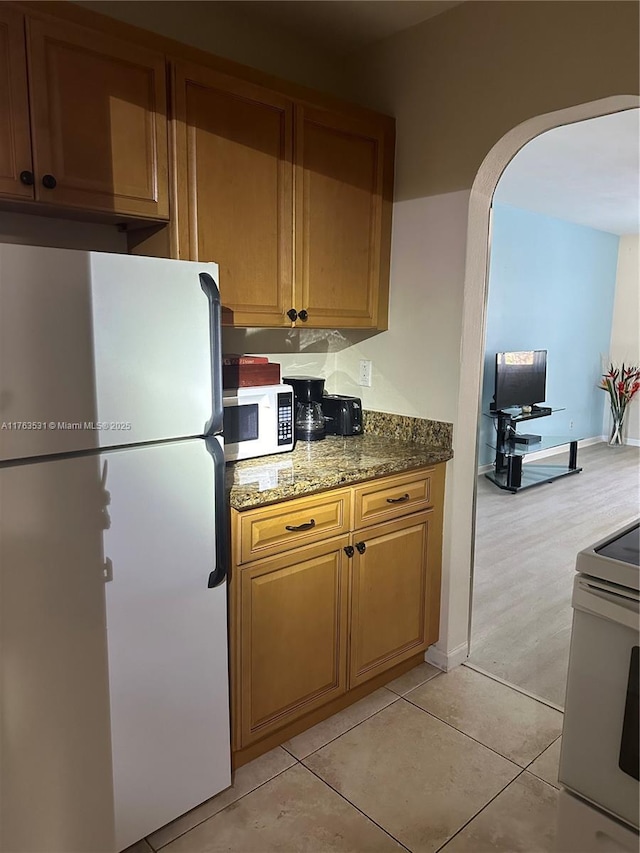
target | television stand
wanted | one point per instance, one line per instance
(509, 471)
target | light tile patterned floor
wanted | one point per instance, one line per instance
(434, 761)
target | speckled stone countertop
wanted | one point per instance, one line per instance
(391, 444)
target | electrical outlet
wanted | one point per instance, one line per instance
(364, 377)
(570, 424)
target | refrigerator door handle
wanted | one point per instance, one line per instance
(219, 574)
(215, 326)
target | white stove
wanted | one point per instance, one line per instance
(614, 559)
(599, 761)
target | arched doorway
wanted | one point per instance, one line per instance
(453, 646)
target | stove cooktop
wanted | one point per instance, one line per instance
(615, 559)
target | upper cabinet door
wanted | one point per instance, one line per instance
(234, 190)
(344, 170)
(98, 116)
(15, 141)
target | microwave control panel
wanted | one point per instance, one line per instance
(285, 418)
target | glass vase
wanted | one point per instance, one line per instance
(615, 437)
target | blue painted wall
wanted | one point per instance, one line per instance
(551, 286)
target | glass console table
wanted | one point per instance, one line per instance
(509, 472)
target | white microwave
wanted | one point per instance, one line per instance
(258, 421)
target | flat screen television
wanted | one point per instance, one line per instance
(521, 379)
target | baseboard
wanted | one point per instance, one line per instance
(447, 660)
(554, 451)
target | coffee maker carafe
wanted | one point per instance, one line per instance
(309, 420)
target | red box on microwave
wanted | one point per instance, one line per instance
(244, 375)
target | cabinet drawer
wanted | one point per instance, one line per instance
(278, 528)
(393, 497)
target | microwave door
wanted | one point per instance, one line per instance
(241, 423)
(248, 426)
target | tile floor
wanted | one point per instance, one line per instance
(433, 761)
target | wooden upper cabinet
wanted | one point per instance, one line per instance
(342, 219)
(98, 121)
(234, 172)
(262, 179)
(15, 141)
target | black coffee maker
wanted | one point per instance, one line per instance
(309, 419)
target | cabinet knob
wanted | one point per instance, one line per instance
(292, 314)
(49, 182)
(26, 178)
(348, 550)
(303, 315)
(361, 547)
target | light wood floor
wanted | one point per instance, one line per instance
(526, 546)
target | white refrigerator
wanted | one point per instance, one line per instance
(114, 698)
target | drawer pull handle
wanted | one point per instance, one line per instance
(306, 526)
(361, 547)
(400, 500)
(348, 550)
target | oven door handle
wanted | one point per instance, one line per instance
(591, 597)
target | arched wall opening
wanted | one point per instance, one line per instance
(453, 645)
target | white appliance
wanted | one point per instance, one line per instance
(584, 828)
(258, 421)
(113, 628)
(599, 760)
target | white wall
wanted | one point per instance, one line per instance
(234, 32)
(625, 328)
(415, 362)
(299, 352)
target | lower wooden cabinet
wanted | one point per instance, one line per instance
(293, 636)
(389, 614)
(318, 621)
